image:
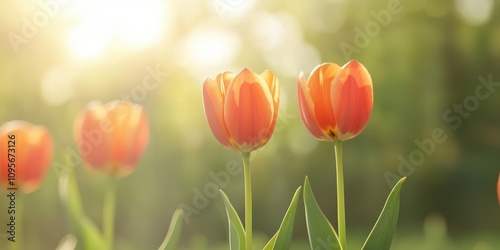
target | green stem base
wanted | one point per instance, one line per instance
(109, 213)
(248, 200)
(340, 193)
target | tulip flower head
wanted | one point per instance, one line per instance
(498, 189)
(242, 108)
(26, 155)
(111, 138)
(336, 102)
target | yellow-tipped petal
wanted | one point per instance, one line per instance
(249, 111)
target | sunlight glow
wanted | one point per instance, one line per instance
(211, 46)
(88, 41)
(139, 23)
(475, 12)
(132, 24)
(56, 86)
(231, 9)
(270, 31)
(280, 38)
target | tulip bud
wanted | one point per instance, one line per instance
(26, 153)
(242, 109)
(498, 189)
(111, 138)
(335, 103)
(351, 99)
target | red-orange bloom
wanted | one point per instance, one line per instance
(498, 189)
(335, 103)
(242, 109)
(111, 138)
(26, 154)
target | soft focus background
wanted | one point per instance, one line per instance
(425, 58)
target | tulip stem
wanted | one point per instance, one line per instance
(109, 213)
(248, 201)
(340, 193)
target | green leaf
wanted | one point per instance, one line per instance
(236, 230)
(380, 237)
(174, 232)
(272, 241)
(284, 234)
(85, 228)
(321, 233)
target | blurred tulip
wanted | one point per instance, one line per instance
(111, 138)
(28, 150)
(242, 109)
(335, 103)
(498, 189)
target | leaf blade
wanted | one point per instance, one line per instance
(84, 226)
(284, 234)
(270, 244)
(174, 232)
(320, 231)
(236, 230)
(380, 238)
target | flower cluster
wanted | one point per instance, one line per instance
(335, 105)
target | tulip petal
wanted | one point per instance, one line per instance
(224, 79)
(16, 129)
(129, 136)
(32, 151)
(91, 140)
(111, 138)
(249, 111)
(36, 154)
(140, 138)
(306, 106)
(352, 99)
(213, 100)
(319, 85)
(498, 189)
(119, 114)
(272, 82)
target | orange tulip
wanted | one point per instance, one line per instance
(111, 138)
(335, 103)
(242, 109)
(498, 189)
(26, 153)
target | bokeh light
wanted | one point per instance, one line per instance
(207, 48)
(57, 86)
(133, 24)
(475, 12)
